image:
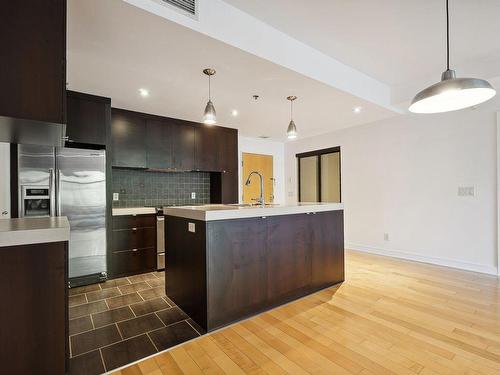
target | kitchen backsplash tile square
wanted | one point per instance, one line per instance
(139, 188)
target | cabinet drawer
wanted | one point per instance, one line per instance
(128, 239)
(133, 262)
(130, 221)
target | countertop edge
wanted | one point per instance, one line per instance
(133, 211)
(230, 214)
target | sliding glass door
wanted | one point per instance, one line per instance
(319, 176)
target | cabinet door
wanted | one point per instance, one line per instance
(128, 133)
(229, 186)
(183, 143)
(159, 145)
(237, 268)
(228, 149)
(87, 118)
(327, 248)
(207, 143)
(33, 62)
(289, 260)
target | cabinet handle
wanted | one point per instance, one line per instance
(134, 229)
(134, 250)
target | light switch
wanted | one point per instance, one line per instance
(192, 227)
(116, 196)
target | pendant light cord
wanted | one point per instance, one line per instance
(447, 37)
(209, 94)
(291, 109)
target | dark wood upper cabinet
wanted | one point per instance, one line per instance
(183, 140)
(128, 135)
(206, 148)
(159, 144)
(228, 150)
(216, 149)
(87, 118)
(33, 60)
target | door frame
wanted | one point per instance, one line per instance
(318, 153)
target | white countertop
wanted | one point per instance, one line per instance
(134, 211)
(212, 212)
(25, 231)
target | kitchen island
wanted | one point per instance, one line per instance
(228, 262)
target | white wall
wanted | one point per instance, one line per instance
(4, 180)
(266, 147)
(400, 176)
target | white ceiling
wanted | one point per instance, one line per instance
(399, 42)
(115, 48)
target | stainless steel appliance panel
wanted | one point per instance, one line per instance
(81, 196)
(36, 165)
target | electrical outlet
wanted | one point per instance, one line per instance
(116, 196)
(386, 236)
(192, 227)
(466, 191)
(193, 195)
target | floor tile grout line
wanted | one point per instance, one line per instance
(102, 360)
(119, 331)
(187, 321)
(152, 342)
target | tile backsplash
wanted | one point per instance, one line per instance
(137, 188)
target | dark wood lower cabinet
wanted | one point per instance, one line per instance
(231, 269)
(131, 262)
(34, 321)
(133, 245)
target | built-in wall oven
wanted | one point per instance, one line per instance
(160, 239)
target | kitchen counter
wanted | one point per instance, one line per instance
(25, 231)
(134, 211)
(211, 212)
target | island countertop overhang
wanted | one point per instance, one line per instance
(213, 212)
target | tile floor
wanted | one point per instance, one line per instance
(122, 320)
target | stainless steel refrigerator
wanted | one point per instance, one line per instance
(69, 182)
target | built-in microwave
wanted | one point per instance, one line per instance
(35, 201)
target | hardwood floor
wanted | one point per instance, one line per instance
(389, 317)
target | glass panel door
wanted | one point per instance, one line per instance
(330, 177)
(308, 179)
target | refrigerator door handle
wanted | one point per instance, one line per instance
(58, 198)
(52, 193)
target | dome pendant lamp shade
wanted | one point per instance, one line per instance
(291, 131)
(451, 93)
(209, 115)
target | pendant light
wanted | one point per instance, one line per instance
(291, 132)
(209, 116)
(451, 93)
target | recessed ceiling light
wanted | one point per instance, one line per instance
(357, 109)
(144, 93)
(234, 112)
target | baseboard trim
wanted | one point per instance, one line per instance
(424, 259)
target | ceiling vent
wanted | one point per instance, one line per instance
(186, 6)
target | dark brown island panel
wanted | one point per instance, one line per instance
(34, 329)
(222, 271)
